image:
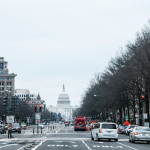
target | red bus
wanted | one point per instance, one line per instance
(80, 123)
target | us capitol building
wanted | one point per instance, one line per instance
(63, 106)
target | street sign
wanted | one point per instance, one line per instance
(37, 116)
(10, 119)
(126, 117)
(145, 115)
(37, 121)
(136, 115)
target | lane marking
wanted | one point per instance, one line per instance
(127, 146)
(38, 145)
(86, 145)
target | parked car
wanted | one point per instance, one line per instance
(139, 133)
(16, 128)
(2, 129)
(129, 128)
(122, 128)
(41, 125)
(104, 130)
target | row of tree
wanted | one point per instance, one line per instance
(121, 85)
(22, 112)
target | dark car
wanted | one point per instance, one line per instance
(2, 129)
(16, 128)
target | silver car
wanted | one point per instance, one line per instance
(122, 128)
(104, 131)
(139, 133)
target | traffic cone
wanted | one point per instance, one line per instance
(27, 127)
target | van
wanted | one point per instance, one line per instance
(80, 123)
(104, 130)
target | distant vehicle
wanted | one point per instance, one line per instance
(80, 123)
(104, 131)
(129, 128)
(41, 125)
(72, 123)
(16, 128)
(66, 123)
(122, 128)
(92, 126)
(2, 129)
(44, 123)
(140, 133)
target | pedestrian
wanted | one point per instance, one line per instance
(10, 128)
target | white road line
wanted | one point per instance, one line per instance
(86, 145)
(127, 146)
(38, 145)
(23, 147)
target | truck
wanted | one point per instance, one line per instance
(80, 123)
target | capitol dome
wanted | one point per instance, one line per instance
(63, 98)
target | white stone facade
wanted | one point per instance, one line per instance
(23, 93)
(63, 106)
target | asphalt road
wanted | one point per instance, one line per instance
(62, 138)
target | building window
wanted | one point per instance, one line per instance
(9, 88)
(2, 88)
(2, 83)
(8, 83)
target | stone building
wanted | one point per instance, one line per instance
(7, 80)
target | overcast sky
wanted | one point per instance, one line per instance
(48, 43)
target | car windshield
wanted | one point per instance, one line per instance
(40, 124)
(142, 129)
(108, 126)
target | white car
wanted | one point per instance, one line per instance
(129, 128)
(104, 130)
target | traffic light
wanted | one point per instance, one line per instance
(5, 100)
(53, 115)
(35, 108)
(142, 97)
(40, 108)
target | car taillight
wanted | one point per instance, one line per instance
(100, 130)
(129, 128)
(117, 131)
(135, 133)
(121, 129)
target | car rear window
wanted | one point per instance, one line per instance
(108, 126)
(143, 128)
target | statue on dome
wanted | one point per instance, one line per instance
(63, 88)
